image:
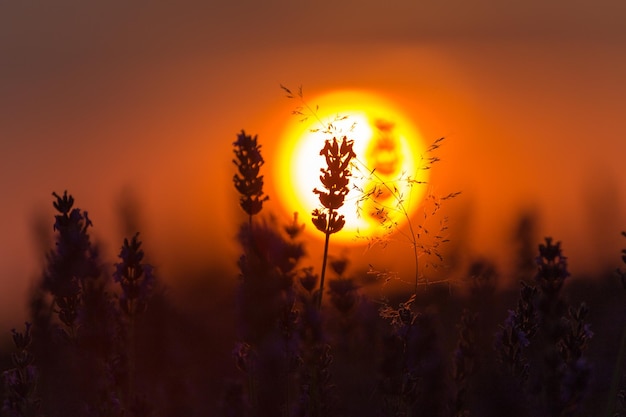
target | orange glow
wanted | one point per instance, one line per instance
(388, 149)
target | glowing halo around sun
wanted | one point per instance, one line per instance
(385, 142)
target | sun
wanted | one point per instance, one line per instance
(386, 185)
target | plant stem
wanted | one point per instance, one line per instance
(325, 259)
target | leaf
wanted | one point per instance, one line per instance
(286, 90)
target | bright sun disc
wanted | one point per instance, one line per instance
(388, 162)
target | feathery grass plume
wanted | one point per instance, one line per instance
(335, 179)
(20, 382)
(380, 190)
(248, 181)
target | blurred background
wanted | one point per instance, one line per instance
(133, 108)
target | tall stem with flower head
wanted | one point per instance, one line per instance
(335, 179)
(384, 211)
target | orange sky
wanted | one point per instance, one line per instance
(101, 97)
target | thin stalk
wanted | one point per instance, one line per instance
(324, 261)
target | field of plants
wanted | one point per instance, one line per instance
(288, 338)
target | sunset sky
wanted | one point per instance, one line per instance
(138, 103)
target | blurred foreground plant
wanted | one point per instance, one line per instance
(248, 181)
(137, 282)
(88, 345)
(20, 382)
(72, 264)
(543, 341)
(135, 277)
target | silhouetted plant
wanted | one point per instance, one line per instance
(379, 190)
(513, 338)
(248, 181)
(343, 294)
(269, 321)
(316, 395)
(335, 180)
(465, 360)
(20, 382)
(137, 282)
(413, 375)
(524, 238)
(268, 269)
(266, 295)
(576, 369)
(484, 278)
(135, 277)
(88, 326)
(551, 274)
(285, 338)
(543, 340)
(72, 263)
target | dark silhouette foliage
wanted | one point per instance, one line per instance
(104, 341)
